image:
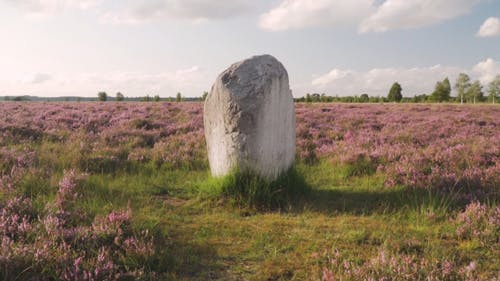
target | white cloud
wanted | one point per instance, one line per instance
(191, 81)
(368, 14)
(404, 14)
(43, 8)
(132, 12)
(296, 14)
(415, 81)
(333, 75)
(490, 27)
(37, 78)
(487, 70)
(191, 10)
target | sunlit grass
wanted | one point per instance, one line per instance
(199, 238)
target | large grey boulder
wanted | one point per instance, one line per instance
(249, 119)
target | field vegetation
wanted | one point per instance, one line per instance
(122, 191)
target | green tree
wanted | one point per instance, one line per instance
(475, 92)
(119, 97)
(308, 98)
(462, 85)
(442, 91)
(316, 97)
(156, 98)
(102, 96)
(178, 98)
(395, 93)
(147, 98)
(364, 98)
(204, 96)
(494, 89)
(21, 98)
(301, 99)
(324, 98)
(419, 98)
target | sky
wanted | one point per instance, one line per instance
(161, 47)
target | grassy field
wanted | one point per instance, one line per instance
(84, 166)
(357, 216)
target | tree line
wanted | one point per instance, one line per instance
(467, 92)
(103, 96)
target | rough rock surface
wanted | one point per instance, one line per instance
(249, 119)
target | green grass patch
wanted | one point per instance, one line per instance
(246, 189)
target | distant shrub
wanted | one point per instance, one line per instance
(22, 98)
(22, 133)
(102, 96)
(395, 93)
(144, 124)
(362, 165)
(102, 164)
(120, 97)
(143, 141)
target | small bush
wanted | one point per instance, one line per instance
(308, 155)
(361, 166)
(246, 189)
(478, 221)
(144, 124)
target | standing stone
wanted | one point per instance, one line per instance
(249, 119)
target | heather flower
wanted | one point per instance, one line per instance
(390, 266)
(67, 186)
(15, 218)
(478, 221)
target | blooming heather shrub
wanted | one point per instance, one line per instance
(308, 154)
(478, 221)
(107, 134)
(442, 147)
(16, 218)
(386, 266)
(13, 158)
(181, 151)
(59, 246)
(424, 146)
(63, 208)
(13, 164)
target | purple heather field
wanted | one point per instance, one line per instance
(441, 148)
